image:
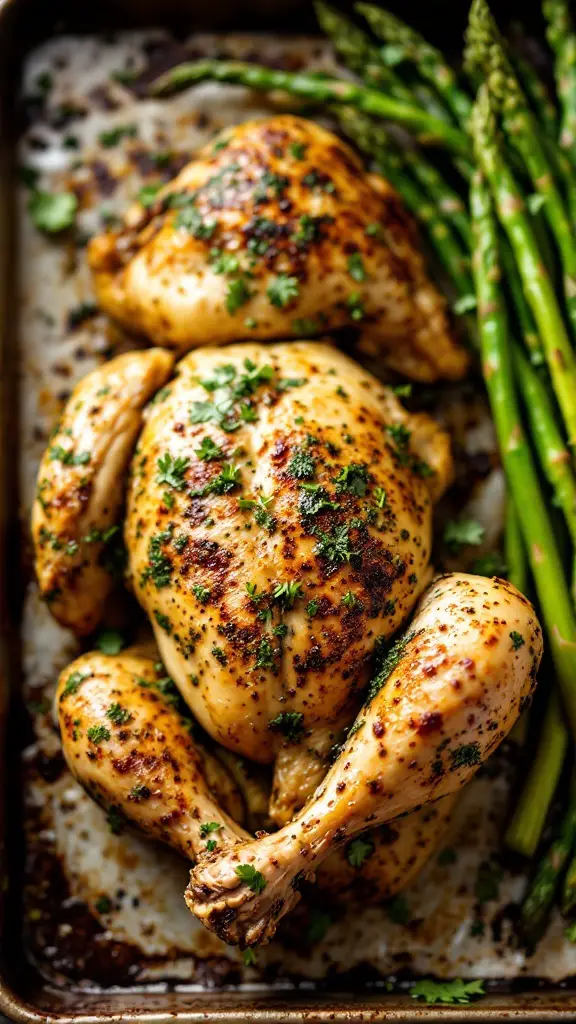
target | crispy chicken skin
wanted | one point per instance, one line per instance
(274, 542)
(130, 748)
(275, 231)
(442, 703)
(80, 491)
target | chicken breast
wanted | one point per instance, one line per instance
(276, 231)
(278, 524)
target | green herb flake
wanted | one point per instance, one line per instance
(117, 714)
(209, 826)
(312, 607)
(297, 150)
(201, 593)
(52, 212)
(356, 267)
(456, 991)
(254, 879)
(358, 851)
(459, 532)
(98, 734)
(139, 792)
(113, 136)
(171, 471)
(283, 290)
(290, 724)
(352, 479)
(287, 593)
(302, 465)
(465, 756)
(237, 295)
(517, 640)
(73, 682)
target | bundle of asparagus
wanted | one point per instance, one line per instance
(513, 150)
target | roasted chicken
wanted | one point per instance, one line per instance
(276, 231)
(278, 524)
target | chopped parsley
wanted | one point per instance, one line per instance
(237, 295)
(260, 508)
(355, 306)
(312, 607)
(358, 851)
(287, 593)
(113, 136)
(349, 600)
(159, 568)
(148, 194)
(335, 546)
(456, 991)
(517, 640)
(465, 756)
(297, 150)
(387, 663)
(73, 682)
(209, 826)
(226, 480)
(52, 212)
(290, 724)
(314, 499)
(462, 531)
(248, 955)
(115, 820)
(301, 465)
(265, 654)
(190, 219)
(219, 654)
(163, 621)
(283, 290)
(209, 451)
(171, 471)
(356, 267)
(139, 792)
(224, 262)
(352, 479)
(201, 593)
(97, 734)
(67, 457)
(117, 714)
(254, 879)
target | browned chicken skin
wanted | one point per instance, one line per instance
(443, 702)
(276, 231)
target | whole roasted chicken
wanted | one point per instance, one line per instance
(275, 502)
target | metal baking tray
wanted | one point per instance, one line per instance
(24, 992)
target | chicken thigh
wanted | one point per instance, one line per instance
(278, 524)
(446, 695)
(276, 231)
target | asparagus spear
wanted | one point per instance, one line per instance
(430, 61)
(527, 823)
(538, 95)
(562, 39)
(543, 554)
(391, 162)
(528, 330)
(536, 282)
(542, 892)
(554, 456)
(427, 129)
(514, 550)
(485, 50)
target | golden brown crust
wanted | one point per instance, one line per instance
(275, 231)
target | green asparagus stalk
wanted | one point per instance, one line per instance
(431, 64)
(568, 899)
(538, 95)
(359, 53)
(514, 550)
(554, 456)
(536, 282)
(528, 819)
(528, 330)
(373, 140)
(485, 50)
(562, 38)
(426, 128)
(446, 198)
(542, 892)
(525, 489)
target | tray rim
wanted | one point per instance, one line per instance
(551, 1004)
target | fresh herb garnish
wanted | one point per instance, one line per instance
(253, 879)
